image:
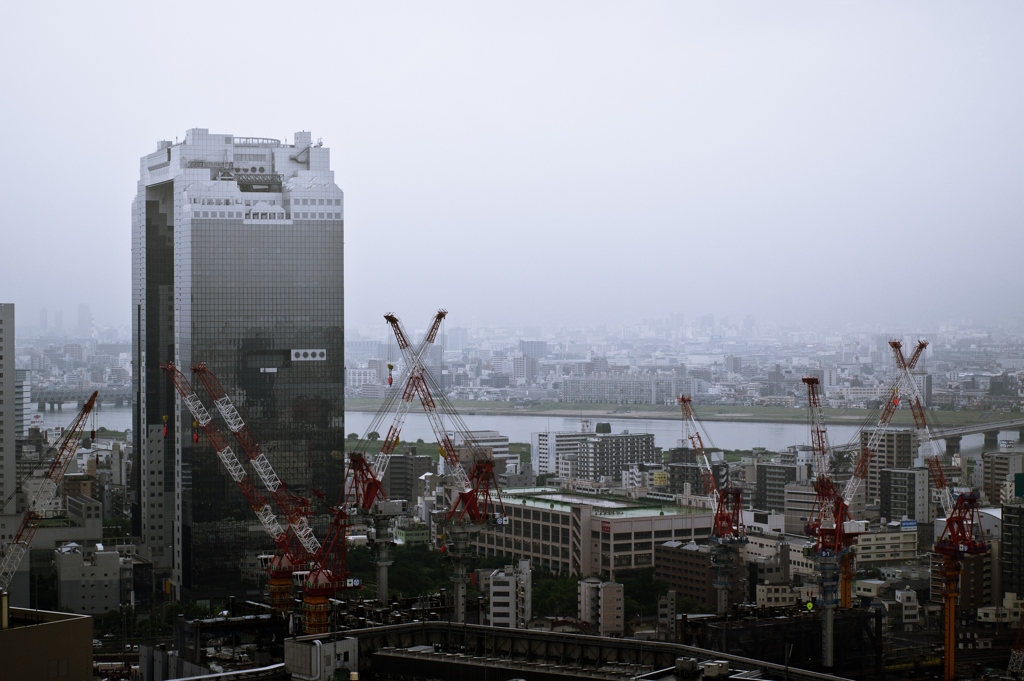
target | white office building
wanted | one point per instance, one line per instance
(511, 594)
(547, 449)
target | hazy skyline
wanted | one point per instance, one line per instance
(532, 164)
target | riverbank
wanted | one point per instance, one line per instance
(852, 417)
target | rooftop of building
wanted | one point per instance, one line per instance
(550, 498)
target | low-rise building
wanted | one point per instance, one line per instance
(784, 595)
(894, 543)
(511, 593)
(602, 605)
(89, 581)
(584, 534)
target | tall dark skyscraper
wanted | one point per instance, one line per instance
(237, 263)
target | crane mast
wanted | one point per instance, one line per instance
(962, 536)
(66, 447)
(827, 524)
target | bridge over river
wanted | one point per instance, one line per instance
(55, 397)
(991, 430)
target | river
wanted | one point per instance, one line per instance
(518, 428)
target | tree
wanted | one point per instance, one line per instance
(373, 436)
(353, 436)
(555, 595)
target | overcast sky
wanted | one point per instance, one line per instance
(533, 163)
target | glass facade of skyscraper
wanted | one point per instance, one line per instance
(238, 264)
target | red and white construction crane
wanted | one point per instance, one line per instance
(477, 496)
(290, 555)
(364, 483)
(365, 477)
(727, 501)
(829, 524)
(295, 508)
(727, 528)
(66, 447)
(328, 574)
(904, 367)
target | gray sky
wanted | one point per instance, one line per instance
(527, 163)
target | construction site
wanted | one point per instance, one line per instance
(311, 596)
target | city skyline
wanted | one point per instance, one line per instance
(800, 163)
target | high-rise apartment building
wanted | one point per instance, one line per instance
(604, 456)
(904, 493)
(9, 410)
(237, 260)
(22, 401)
(771, 481)
(896, 449)
(997, 468)
(546, 449)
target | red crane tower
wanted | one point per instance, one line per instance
(727, 526)
(828, 523)
(290, 555)
(66, 447)
(962, 536)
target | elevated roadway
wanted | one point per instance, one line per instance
(56, 397)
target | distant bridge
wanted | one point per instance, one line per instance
(991, 430)
(57, 396)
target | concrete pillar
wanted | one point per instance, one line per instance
(41, 406)
(1020, 435)
(991, 440)
(953, 444)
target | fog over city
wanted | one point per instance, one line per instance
(584, 163)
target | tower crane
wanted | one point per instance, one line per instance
(962, 536)
(364, 484)
(295, 508)
(476, 498)
(828, 523)
(924, 433)
(289, 556)
(65, 449)
(328, 573)
(904, 366)
(727, 526)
